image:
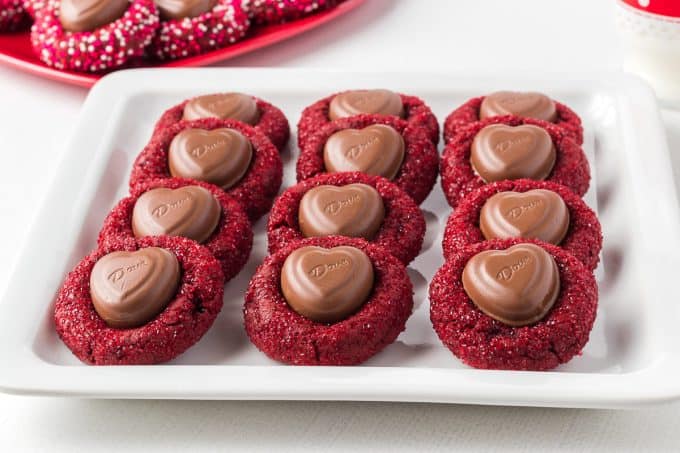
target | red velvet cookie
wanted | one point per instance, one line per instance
(256, 189)
(109, 46)
(13, 16)
(287, 336)
(401, 231)
(180, 325)
(183, 37)
(230, 242)
(458, 177)
(268, 12)
(416, 113)
(271, 121)
(418, 171)
(583, 239)
(469, 113)
(483, 342)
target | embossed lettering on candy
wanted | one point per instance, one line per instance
(189, 211)
(320, 270)
(326, 285)
(501, 152)
(129, 289)
(354, 210)
(517, 286)
(537, 214)
(221, 156)
(374, 150)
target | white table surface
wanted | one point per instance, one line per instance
(454, 35)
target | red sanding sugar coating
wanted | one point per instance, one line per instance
(180, 325)
(418, 171)
(482, 342)
(225, 24)
(13, 15)
(417, 114)
(583, 239)
(468, 113)
(266, 12)
(272, 122)
(289, 337)
(571, 167)
(230, 243)
(402, 230)
(255, 191)
(108, 47)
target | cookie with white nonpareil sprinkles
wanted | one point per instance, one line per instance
(86, 38)
(191, 28)
(266, 12)
(31, 6)
(13, 15)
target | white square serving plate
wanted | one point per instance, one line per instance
(633, 356)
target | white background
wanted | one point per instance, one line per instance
(467, 36)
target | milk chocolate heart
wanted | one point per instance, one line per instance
(326, 285)
(190, 211)
(235, 106)
(179, 9)
(537, 214)
(527, 105)
(517, 286)
(220, 156)
(354, 210)
(88, 15)
(129, 289)
(356, 102)
(506, 152)
(374, 150)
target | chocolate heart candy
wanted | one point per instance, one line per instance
(374, 150)
(537, 214)
(354, 210)
(88, 15)
(326, 285)
(350, 103)
(220, 156)
(527, 105)
(179, 9)
(505, 152)
(235, 106)
(129, 289)
(517, 286)
(190, 211)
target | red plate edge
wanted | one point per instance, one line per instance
(16, 50)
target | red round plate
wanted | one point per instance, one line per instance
(16, 50)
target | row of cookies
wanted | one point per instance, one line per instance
(334, 290)
(101, 35)
(517, 290)
(155, 283)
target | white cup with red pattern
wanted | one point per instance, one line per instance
(650, 31)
